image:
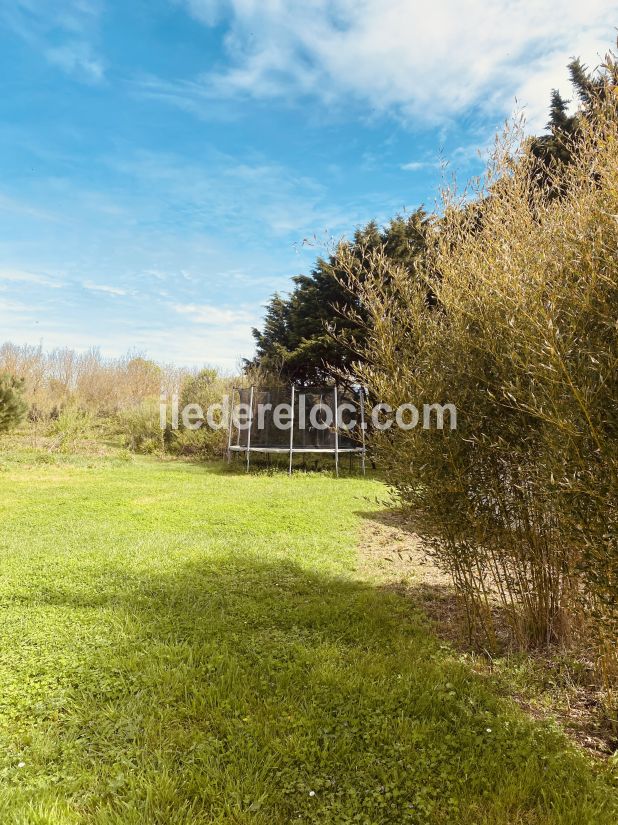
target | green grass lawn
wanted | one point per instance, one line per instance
(180, 644)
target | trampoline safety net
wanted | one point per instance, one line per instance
(262, 416)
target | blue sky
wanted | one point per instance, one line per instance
(162, 161)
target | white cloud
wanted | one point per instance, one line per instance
(214, 334)
(215, 316)
(12, 306)
(21, 276)
(417, 165)
(207, 11)
(427, 62)
(190, 333)
(108, 290)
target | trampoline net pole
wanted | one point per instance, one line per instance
(249, 429)
(362, 412)
(291, 432)
(336, 433)
(229, 428)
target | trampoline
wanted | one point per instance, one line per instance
(298, 421)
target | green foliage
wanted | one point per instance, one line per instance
(185, 645)
(203, 443)
(140, 428)
(12, 405)
(205, 388)
(71, 426)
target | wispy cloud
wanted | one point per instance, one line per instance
(456, 158)
(105, 288)
(215, 316)
(248, 196)
(428, 63)
(76, 58)
(63, 35)
(15, 206)
(418, 165)
(206, 11)
(12, 306)
(193, 96)
(20, 276)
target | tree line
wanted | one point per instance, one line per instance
(63, 397)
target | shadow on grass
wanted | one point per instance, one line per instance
(232, 690)
(411, 572)
(581, 705)
(392, 517)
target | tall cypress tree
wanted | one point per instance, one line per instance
(309, 337)
(555, 148)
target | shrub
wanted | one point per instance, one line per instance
(202, 443)
(70, 427)
(140, 428)
(520, 503)
(204, 388)
(12, 405)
